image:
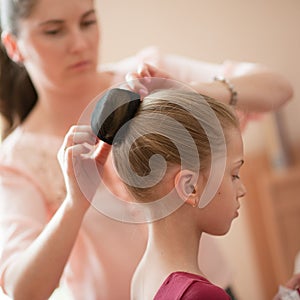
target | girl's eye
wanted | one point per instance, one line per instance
(235, 177)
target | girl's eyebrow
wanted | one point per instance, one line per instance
(58, 21)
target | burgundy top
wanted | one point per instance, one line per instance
(187, 286)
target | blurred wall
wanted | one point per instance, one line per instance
(264, 31)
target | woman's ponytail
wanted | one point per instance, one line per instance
(17, 93)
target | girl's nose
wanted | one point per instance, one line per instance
(242, 190)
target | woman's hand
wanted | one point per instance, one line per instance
(81, 158)
(146, 79)
(294, 282)
(288, 290)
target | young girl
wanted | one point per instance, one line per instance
(169, 149)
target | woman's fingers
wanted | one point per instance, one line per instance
(147, 71)
(81, 173)
(146, 79)
(81, 134)
(85, 137)
(78, 135)
(144, 70)
(102, 152)
(294, 282)
(136, 83)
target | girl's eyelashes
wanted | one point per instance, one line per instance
(234, 177)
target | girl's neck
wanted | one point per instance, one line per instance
(174, 243)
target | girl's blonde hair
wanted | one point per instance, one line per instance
(178, 126)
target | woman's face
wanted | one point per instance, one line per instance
(217, 216)
(59, 42)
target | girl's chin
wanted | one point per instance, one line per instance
(220, 231)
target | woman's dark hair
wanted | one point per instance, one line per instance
(17, 93)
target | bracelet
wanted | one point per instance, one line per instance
(231, 89)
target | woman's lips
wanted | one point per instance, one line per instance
(81, 65)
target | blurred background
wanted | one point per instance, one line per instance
(263, 242)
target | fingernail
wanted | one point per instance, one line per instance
(143, 92)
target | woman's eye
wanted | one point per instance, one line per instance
(88, 23)
(52, 32)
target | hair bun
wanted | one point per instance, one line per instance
(112, 111)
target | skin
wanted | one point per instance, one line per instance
(173, 244)
(62, 65)
(259, 89)
(54, 33)
(294, 282)
(225, 204)
(58, 45)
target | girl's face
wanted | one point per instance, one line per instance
(217, 216)
(59, 42)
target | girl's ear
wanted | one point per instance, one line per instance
(10, 43)
(187, 185)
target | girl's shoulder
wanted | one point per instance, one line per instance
(183, 285)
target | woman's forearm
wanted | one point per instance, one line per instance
(258, 91)
(36, 273)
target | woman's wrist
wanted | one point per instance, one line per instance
(77, 208)
(230, 88)
(213, 89)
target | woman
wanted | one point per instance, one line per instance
(56, 43)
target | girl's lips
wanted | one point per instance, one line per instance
(237, 212)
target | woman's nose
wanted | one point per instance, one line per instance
(78, 41)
